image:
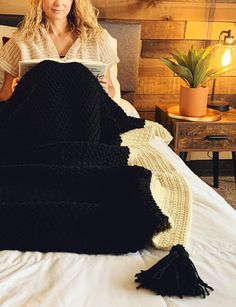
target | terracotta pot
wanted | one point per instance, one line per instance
(193, 101)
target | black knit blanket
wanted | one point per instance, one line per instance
(64, 180)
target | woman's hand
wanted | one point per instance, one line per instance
(6, 90)
(107, 84)
(104, 83)
(14, 83)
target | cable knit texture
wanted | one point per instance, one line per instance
(65, 182)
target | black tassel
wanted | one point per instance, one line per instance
(174, 275)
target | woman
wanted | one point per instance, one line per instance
(56, 29)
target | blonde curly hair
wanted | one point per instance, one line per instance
(83, 18)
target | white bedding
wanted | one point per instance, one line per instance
(60, 279)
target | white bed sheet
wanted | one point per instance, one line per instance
(63, 279)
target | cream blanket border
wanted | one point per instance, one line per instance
(169, 189)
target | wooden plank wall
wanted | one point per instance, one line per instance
(166, 25)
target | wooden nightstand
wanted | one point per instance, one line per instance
(189, 136)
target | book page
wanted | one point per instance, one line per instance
(97, 68)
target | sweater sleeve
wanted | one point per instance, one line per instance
(107, 49)
(10, 55)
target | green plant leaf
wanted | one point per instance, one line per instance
(205, 51)
(180, 57)
(218, 72)
(201, 70)
(221, 70)
(192, 59)
(182, 71)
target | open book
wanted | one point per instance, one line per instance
(97, 68)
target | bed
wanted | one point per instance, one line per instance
(69, 279)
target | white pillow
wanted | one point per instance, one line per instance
(5, 31)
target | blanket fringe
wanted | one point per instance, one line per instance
(174, 275)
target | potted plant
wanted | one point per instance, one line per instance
(194, 68)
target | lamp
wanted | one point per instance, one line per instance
(224, 54)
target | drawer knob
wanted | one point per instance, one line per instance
(192, 134)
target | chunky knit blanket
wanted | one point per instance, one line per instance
(78, 175)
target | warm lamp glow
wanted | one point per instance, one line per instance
(224, 55)
(224, 52)
(226, 58)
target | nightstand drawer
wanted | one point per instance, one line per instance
(217, 137)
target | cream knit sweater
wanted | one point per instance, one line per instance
(16, 50)
(169, 189)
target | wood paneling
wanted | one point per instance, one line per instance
(225, 85)
(163, 29)
(207, 30)
(155, 48)
(153, 67)
(167, 10)
(149, 102)
(13, 6)
(149, 115)
(158, 85)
